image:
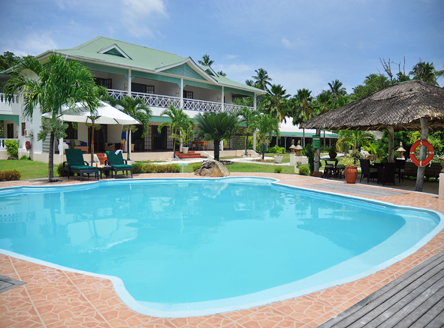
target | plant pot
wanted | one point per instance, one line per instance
(351, 174)
(185, 150)
(316, 174)
(278, 159)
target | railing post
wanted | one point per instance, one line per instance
(129, 83)
(181, 93)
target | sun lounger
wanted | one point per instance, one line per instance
(116, 161)
(75, 164)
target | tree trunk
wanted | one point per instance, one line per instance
(174, 147)
(263, 152)
(317, 159)
(51, 158)
(246, 145)
(216, 149)
(422, 155)
(92, 143)
(391, 153)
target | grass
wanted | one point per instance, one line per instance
(28, 169)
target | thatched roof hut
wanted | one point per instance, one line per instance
(400, 106)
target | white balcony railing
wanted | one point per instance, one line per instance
(15, 98)
(2, 142)
(162, 101)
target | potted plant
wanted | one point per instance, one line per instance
(278, 159)
(351, 170)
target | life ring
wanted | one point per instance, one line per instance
(429, 147)
(28, 145)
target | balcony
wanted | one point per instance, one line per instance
(162, 101)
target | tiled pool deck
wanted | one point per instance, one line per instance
(56, 298)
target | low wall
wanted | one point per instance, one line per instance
(433, 171)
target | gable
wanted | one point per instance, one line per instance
(184, 70)
(114, 50)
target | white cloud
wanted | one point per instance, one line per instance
(231, 57)
(140, 16)
(34, 44)
(235, 72)
(292, 80)
(296, 44)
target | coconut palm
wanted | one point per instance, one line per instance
(179, 120)
(58, 82)
(249, 118)
(262, 80)
(356, 139)
(425, 71)
(216, 127)
(206, 60)
(336, 89)
(275, 102)
(221, 73)
(267, 126)
(302, 110)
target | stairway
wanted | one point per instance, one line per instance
(191, 154)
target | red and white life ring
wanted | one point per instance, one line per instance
(28, 145)
(429, 147)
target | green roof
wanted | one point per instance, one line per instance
(123, 54)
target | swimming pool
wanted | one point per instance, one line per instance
(194, 247)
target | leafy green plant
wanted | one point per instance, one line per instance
(277, 149)
(138, 167)
(304, 170)
(348, 161)
(9, 175)
(197, 166)
(309, 151)
(25, 158)
(12, 147)
(277, 169)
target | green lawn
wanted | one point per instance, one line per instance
(28, 169)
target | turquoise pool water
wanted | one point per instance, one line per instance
(207, 245)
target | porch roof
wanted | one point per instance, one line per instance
(111, 52)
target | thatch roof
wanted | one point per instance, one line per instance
(400, 106)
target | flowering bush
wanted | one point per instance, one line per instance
(9, 175)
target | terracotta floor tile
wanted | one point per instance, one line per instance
(68, 299)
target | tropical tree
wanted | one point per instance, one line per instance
(302, 108)
(216, 127)
(249, 118)
(206, 60)
(267, 126)
(179, 121)
(8, 59)
(356, 139)
(426, 71)
(58, 82)
(372, 83)
(221, 73)
(262, 80)
(275, 102)
(249, 83)
(134, 107)
(336, 89)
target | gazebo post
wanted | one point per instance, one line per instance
(422, 154)
(391, 153)
(317, 159)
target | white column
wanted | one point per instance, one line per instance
(254, 140)
(222, 100)
(129, 83)
(181, 93)
(254, 103)
(61, 150)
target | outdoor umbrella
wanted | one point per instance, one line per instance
(104, 114)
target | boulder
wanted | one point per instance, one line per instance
(212, 169)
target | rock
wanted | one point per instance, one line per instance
(212, 169)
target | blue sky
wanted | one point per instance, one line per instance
(302, 44)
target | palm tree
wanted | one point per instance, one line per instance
(425, 71)
(303, 110)
(58, 82)
(206, 61)
(275, 102)
(356, 139)
(249, 118)
(136, 108)
(221, 73)
(249, 83)
(179, 121)
(262, 80)
(216, 127)
(267, 126)
(336, 89)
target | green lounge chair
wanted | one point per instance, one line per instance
(75, 164)
(118, 163)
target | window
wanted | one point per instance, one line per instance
(71, 133)
(23, 128)
(142, 88)
(188, 94)
(107, 83)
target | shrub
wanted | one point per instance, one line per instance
(24, 158)
(277, 169)
(309, 151)
(137, 167)
(197, 166)
(304, 170)
(277, 149)
(9, 175)
(59, 169)
(12, 147)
